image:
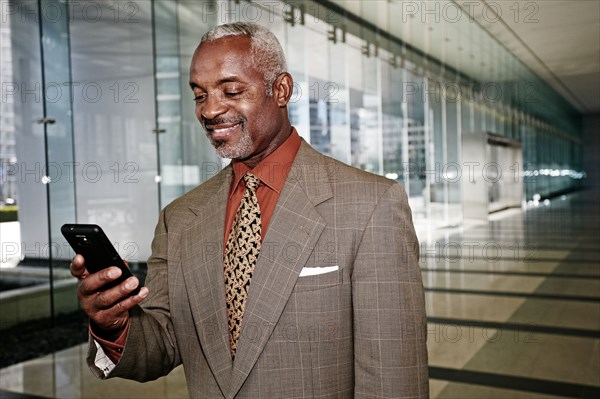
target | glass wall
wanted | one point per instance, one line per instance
(375, 87)
(37, 171)
(22, 123)
(114, 122)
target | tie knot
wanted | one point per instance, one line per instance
(251, 181)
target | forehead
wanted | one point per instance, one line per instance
(225, 58)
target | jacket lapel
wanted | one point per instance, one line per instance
(294, 231)
(202, 264)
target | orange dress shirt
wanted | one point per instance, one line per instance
(272, 172)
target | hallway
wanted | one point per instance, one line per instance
(513, 306)
(517, 314)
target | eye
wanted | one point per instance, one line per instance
(200, 98)
(233, 93)
(232, 89)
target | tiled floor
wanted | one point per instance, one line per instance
(513, 306)
(515, 311)
(65, 374)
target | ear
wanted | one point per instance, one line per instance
(282, 89)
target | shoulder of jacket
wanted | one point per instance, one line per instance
(340, 171)
(200, 193)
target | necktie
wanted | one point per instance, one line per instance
(241, 252)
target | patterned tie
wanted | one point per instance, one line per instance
(243, 247)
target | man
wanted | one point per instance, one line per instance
(287, 275)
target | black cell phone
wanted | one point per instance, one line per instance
(90, 241)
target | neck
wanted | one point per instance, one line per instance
(254, 160)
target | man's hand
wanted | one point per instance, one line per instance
(108, 309)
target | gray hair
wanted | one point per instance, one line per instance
(267, 54)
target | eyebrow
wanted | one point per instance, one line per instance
(231, 79)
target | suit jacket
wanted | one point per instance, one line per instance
(356, 331)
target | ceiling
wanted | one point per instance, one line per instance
(558, 40)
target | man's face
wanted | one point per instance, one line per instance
(238, 117)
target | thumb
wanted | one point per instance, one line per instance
(77, 267)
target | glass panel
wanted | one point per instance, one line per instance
(23, 159)
(392, 84)
(436, 124)
(355, 82)
(296, 49)
(198, 159)
(415, 127)
(113, 121)
(451, 171)
(478, 116)
(168, 100)
(530, 157)
(371, 113)
(466, 114)
(369, 133)
(318, 87)
(59, 140)
(338, 99)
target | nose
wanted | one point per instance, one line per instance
(213, 107)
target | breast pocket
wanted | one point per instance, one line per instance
(316, 311)
(319, 280)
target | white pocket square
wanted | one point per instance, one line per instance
(313, 271)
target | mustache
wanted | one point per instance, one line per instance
(221, 121)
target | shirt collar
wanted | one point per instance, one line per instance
(273, 170)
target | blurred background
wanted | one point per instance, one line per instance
(488, 114)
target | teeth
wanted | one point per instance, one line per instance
(224, 129)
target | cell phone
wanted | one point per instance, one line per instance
(90, 241)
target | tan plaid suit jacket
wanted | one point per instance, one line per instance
(358, 331)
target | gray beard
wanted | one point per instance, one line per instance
(242, 149)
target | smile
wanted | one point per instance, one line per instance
(222, 132)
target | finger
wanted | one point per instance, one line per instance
(96, 281)
(121, 309)
(77, 267)
(111, 297)
(130, 301)
(115, 318)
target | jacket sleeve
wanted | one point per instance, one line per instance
(150, 348)
(390, 352)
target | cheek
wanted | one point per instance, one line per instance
(262, 116)
(198, 112)
(259, 124)
(262, 113)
